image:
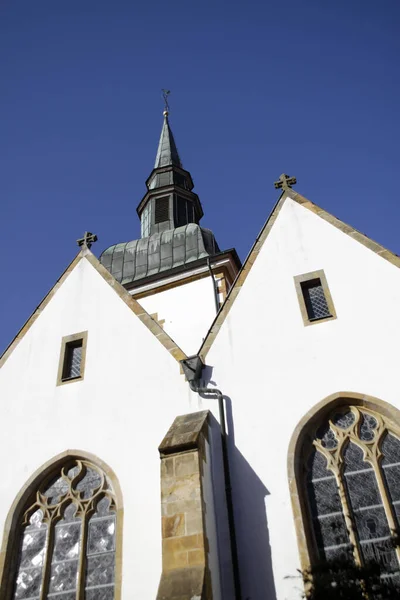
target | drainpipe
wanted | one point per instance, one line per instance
(214, 284)
(192, 368)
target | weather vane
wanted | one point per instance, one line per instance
(165, 94)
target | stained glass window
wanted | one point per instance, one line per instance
(353, 489)
(67, 547)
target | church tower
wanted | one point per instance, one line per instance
(176, 267)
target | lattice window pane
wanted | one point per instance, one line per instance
(381, 552)
(64, 564)
(100, 568)
(31, 559)
(391, 470)
(369, 514)
(315, 301)
(328, 520)
(72, 360)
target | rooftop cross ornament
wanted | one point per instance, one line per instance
(165, 94)
(285, 182)
(88, 239)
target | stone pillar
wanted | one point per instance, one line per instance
(185, 574)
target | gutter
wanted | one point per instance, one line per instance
(193, 367)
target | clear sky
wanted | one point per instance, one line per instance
(309, 87)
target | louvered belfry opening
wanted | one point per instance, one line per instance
(161, 211)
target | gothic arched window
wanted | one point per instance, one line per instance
(67, 543)
(352, 485)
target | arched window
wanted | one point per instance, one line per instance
(68, 537)
(352, 488)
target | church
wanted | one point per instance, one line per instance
(185, 427)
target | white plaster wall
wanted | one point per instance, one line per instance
(120, 412)
(188, 311)
(273, 370)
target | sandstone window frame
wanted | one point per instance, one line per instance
(301, 282)
(389, 423)
(67, 343)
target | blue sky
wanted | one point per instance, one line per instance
(306, 87)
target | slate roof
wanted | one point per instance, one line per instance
(167, 153)
(159, 252)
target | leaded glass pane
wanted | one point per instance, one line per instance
(391, 470)
(103, 593)
(31, 559)
(360, 479)
(65, 558)
(368, 425)
(345, 420)
(100, 565)
(100, 569)
(329, 525)
(314, 298)
(390, 450)
(317, 466)
(381, 552)
(89, 483)
(56, 490)
(327, 437)
(369, 515)
(76, 358)
(371, 523)
(63, 576)
(29, 582)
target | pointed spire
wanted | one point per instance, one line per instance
(167, 153)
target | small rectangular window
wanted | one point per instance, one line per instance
(314, 297)
(72, 358)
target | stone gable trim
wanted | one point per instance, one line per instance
(135, 307)
(391, 257)
(38, 311)
(240, 279)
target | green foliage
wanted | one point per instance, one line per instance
(343, 580)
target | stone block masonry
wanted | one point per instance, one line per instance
(185, 574)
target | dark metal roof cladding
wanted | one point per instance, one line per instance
(167, 153)
(160, 252)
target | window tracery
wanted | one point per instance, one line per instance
(353, 488)
(67, 548)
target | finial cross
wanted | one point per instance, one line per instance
(285, 182)
(88, 239)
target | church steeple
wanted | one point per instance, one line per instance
(167, 153)
(169, 202)
(172, 241)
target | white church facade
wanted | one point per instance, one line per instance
(194, 429)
